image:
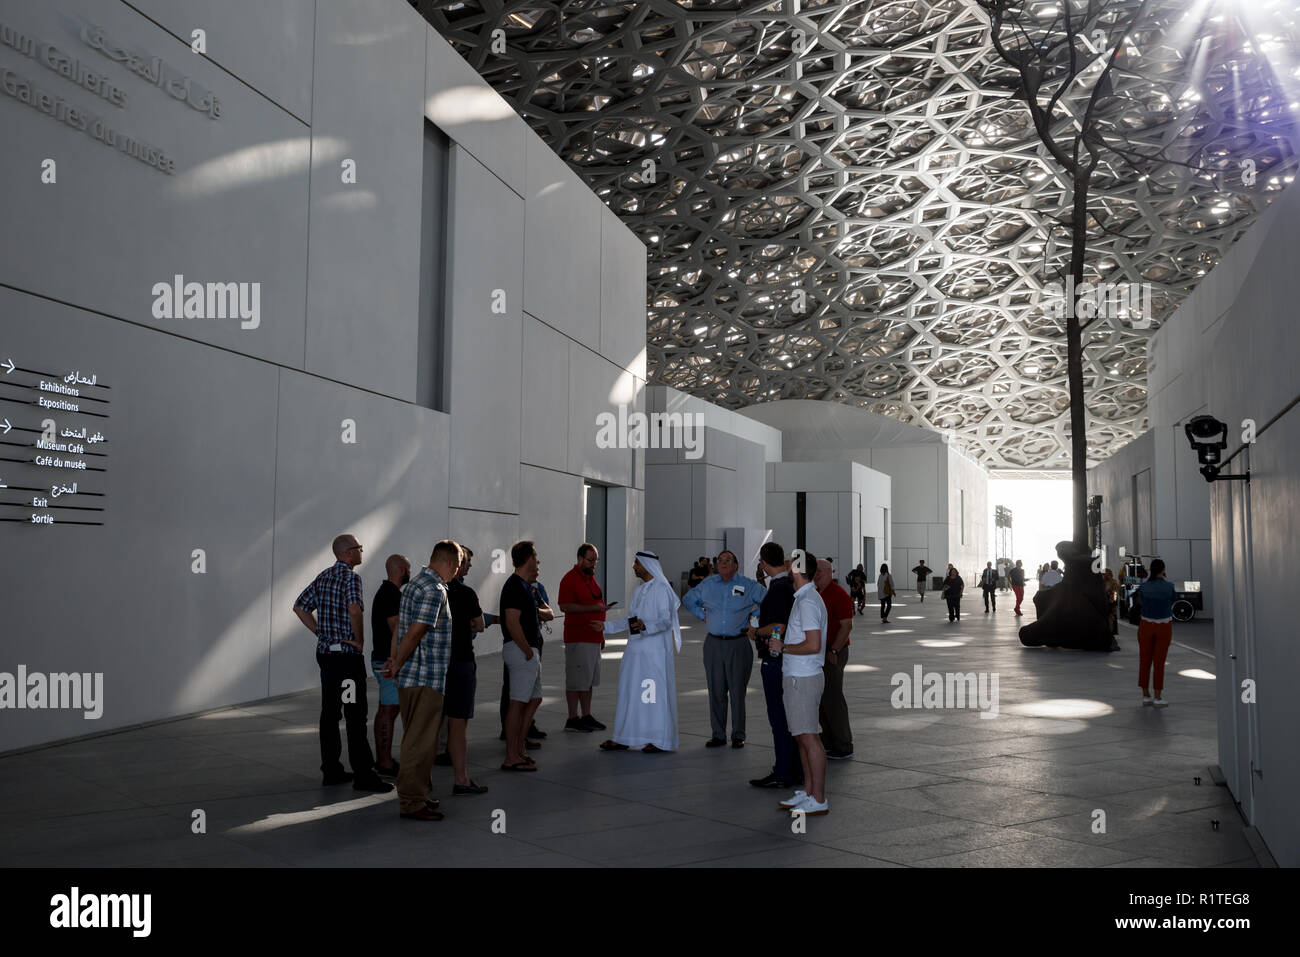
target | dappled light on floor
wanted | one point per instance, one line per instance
(1063, 708)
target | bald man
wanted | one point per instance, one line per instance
(383, 620)
(331, 608)
(833, 712)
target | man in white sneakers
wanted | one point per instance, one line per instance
(802, 682)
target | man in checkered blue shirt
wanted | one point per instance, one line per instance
(419, 666)
(331, 608)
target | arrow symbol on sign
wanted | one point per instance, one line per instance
(8, 366)
(7, 426)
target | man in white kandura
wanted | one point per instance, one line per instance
(646, 717)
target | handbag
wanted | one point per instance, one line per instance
(889, 587)
(1134, 610)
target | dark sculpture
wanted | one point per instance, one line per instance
(1073, 614)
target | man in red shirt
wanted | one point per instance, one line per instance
(583, 605)
(837, 736)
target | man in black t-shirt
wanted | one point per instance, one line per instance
(521, 649)
(772, 611)
(462, 673)
(699, 572)
(383, 620)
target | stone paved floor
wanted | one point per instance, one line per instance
(925, 788)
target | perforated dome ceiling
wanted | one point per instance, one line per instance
(867, 161)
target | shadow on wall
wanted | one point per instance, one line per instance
(207, 684)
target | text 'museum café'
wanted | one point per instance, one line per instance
(708, 352)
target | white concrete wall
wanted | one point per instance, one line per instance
(229, 439)
(1231, 351)
(844, 501)
(928, 478)
(693, 496)
(968, 542)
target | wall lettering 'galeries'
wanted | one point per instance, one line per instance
(52, 468)
(70, 70)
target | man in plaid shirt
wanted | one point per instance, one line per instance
(331, 608)
(419, 665)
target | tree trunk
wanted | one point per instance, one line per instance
(1074, 362)
(1076, 613)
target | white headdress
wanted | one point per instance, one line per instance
(650, 562)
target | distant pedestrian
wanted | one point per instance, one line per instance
(885, 590)
(857, 580)
(1017, 576)
(1155, 631)
(1051, 577)
(989, 585)
(952, 589)
(1111, 586)
(922, 573)
(699, 572)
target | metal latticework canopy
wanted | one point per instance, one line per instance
(845, 200)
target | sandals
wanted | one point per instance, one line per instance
(651, 749)
(613, 746)
(520, 766)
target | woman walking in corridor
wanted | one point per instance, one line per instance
(885, 590)
(1155, 632)
(953, 586)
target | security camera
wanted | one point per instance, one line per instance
(1209, 437)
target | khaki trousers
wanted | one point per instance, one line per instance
(421, 709)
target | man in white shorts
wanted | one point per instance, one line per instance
(802, 683)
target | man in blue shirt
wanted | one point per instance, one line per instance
(725, 602)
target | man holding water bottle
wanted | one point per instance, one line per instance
(773, 613)
(803, 649)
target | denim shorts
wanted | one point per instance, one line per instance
(387, 686)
